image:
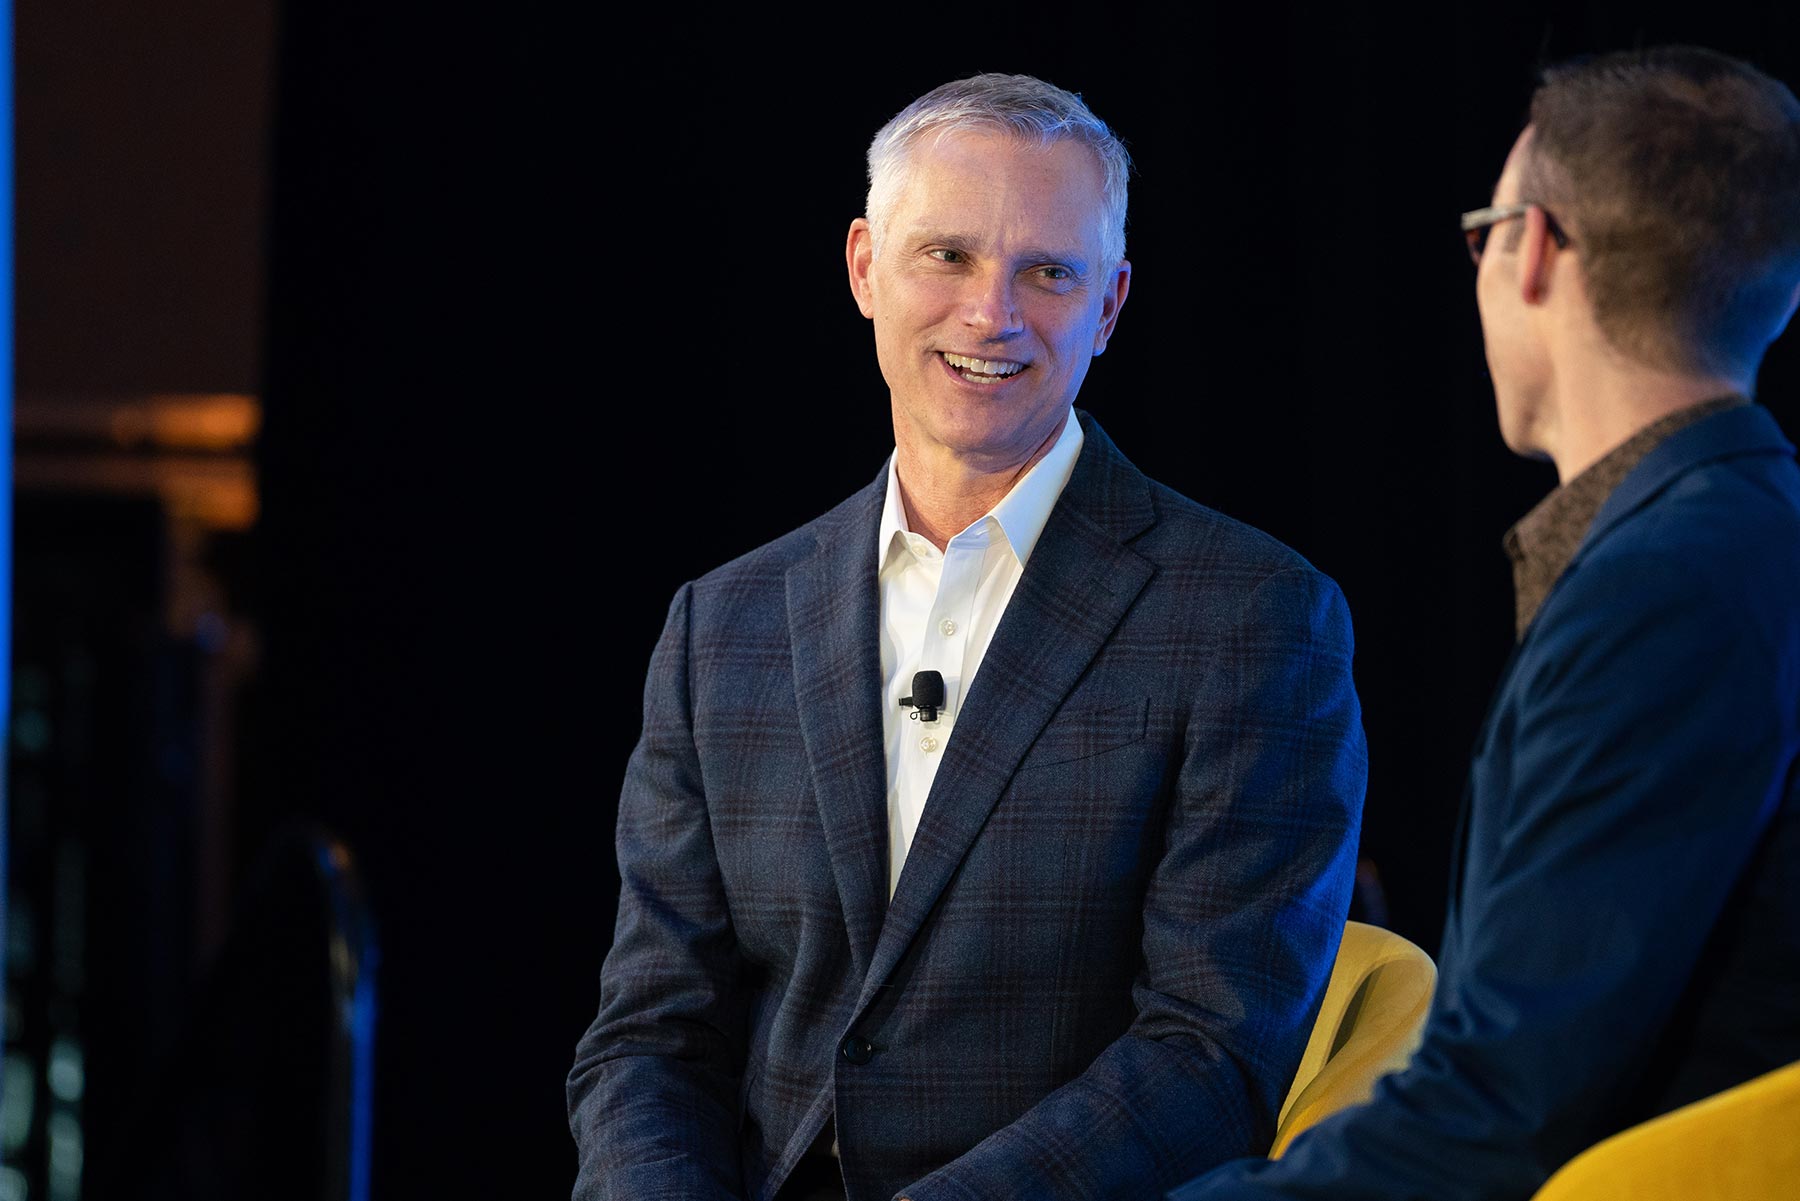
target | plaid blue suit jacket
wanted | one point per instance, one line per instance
(1115, 923)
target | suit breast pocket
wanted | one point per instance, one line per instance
(1066, 851)
(1087, 733)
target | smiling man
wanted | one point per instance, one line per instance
(990, 836)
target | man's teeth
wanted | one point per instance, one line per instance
(988, 367)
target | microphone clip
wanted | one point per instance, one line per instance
(927, 696)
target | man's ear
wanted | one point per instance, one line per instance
(1537, 255)
(859, 253)
(1111, 303)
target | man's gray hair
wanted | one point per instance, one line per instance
(1023, 106)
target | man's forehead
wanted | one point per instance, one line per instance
(977, 151)
(955, 193)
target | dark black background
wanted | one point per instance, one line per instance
(558, 319)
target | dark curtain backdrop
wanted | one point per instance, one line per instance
(558, 320)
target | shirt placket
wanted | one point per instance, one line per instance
(943, 648)
(947, 626)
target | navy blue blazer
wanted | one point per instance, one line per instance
(1624, 929)
(1114, 926)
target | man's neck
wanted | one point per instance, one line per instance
(944, 492)
(1600, 408)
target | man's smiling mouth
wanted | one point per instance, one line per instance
(982, 371)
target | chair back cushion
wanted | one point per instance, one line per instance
(1369, 1024)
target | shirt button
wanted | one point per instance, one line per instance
(857, 1050)
(928, 744)
(947, 626)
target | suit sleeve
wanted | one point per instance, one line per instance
(653, 1094)
(1648, 756)
(1241, 921)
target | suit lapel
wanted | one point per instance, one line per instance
(1748, 429)
(1077, 586)
(833, 627)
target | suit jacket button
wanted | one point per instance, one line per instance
(857, 1050)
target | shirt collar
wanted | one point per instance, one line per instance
(1021, 514)
(1542, 543)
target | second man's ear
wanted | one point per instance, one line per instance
(1537, 255)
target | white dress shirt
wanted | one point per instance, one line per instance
(939, 610)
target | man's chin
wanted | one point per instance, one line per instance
(1523, 444)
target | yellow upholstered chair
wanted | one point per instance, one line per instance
(1742, 1144)
(1369, 1025)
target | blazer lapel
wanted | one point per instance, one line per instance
(833, 627)
(1748, 429)
(1077, 586)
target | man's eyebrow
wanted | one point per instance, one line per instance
(1062, 258)
(950, 241)
(1028, 255)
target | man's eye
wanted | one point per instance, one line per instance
(1056, 273)
(947, 256)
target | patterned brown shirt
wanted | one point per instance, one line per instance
(1543, 541)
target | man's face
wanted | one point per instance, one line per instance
(989, 297)
(1515, 353)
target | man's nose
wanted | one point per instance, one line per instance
(991, 308)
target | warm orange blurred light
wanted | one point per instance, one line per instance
(196, 421)
(190, 449)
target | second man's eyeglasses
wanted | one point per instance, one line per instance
(1477, 223)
